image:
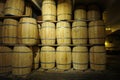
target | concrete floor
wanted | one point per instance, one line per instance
(87, 75)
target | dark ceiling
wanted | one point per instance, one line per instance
(112, 6)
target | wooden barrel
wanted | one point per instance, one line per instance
(63, 32)
(80, 57)
(105, 16)
(2, 4)
(22, 59)
(28, 9)
(47, 57)
(48, 10)
(63, 57)
(1, 28)
(48, 33)
(5, 60)
(79, 32)
(98, 58)
(96, 32)
(80, 13)
(93, 12)
(64, 10)
(9, 33)
(36, 57)
(14, 7)
(27, 31)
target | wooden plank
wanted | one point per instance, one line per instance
(70, 45)
(65, 20)
(4, 17)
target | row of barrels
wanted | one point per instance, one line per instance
(15, 8)
(26, 31)
(78, 57)
(23, 31)
(63, 11)
(21, 59)
(79, 33)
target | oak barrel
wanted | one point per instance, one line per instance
(48, 10)
(5, 60)
(64, 10)
(48, 33)
(9, 33)
(98, 58)
(28, 31)
(96, 32)
(22, 59)
(63, 32)
(93, 12)
(105, 16)
(80, 57)
(79, 32)
(47, 57)
(28, 9)
(14, 7)
(63, 57)
(80, 13)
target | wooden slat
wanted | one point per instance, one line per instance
(4, 17)
(68, 45)
(64, 20)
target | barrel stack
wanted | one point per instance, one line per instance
(47, 32)
(65, 42)
(5, 60)
(9, 32)
(63, 35)
(96, 30)
(80, 39)
(19, 34)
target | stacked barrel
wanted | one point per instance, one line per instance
(63, 34)
(64, 43)
(47, 34)
(96, 30)
(18, 36)
(80, 37)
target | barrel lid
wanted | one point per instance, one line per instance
(63, 48)
(47, 48)
(96, 23)
(63, 24)
(22, 48)
(10, 21)
(79, 23)
(24, 18)
(97, 49)
(5, 49)
(80, 48)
